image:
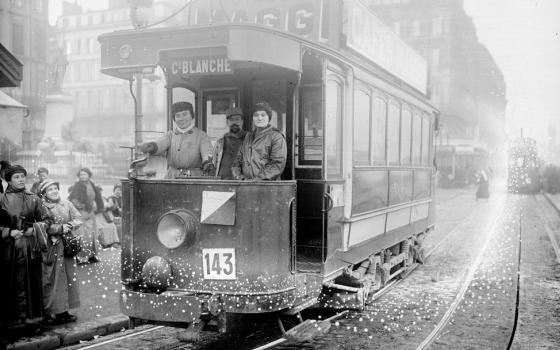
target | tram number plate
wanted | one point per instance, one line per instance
(219, 264)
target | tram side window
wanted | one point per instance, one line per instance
(426, 141)
(310, 138)
(379, 129)
(416, 139)
(405, 136)
(393, 125)
(333, 106)
(362, 128)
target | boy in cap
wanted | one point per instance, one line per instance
(188, 149)
(227, 146)
(262, 156)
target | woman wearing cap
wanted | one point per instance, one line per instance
(21, 244)
(188, 149)
(60, 279)
(262, 155)
(86, 198)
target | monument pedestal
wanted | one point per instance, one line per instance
(59, 111)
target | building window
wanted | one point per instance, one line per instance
(434, 59)
(18, 41)
(415, 28)
(437, 26)
(397, 27)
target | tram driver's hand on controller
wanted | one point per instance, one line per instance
(148, 147)
(208, 168)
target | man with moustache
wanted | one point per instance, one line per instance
(227, 146)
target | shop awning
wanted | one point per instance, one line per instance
(8, 102)
(11, 70)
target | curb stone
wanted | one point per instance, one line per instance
(57, 337)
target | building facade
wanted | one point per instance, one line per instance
(465, 81)
(104, 107)
(24, 29)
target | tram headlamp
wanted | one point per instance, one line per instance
(177, 227)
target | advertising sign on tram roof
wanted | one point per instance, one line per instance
(367, 35)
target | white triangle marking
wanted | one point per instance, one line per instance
(212, 201)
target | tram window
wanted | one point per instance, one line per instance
(393, 124)
(215, 104)
(273, 92)
(333, 106)
(310, 135)
(378, 133)
(425, 141)
(416, 139)
(405, 136)
(362, 110)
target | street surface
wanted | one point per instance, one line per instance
(465, 296)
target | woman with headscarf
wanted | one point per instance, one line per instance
(87, 199)
(21, 245)
(60, 279)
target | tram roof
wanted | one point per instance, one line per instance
(346, 28)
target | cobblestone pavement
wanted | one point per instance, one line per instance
(475, 271)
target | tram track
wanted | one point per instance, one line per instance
(390, 286)
(463, 289)
(394, 283)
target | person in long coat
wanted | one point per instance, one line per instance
(22, 242)
(187, 148)
(115, 206)
(87, 199)
(483, 186)
(60, 278)
(106, 229)
(262, 155)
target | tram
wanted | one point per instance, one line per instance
(523, 166)
(355, 199)
(458, 164)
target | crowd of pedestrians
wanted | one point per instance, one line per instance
(42, 239)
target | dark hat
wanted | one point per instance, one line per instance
(234, 111)
(182, 106)
(42, 170)
(14, 169)
(86, 170)
(117, 185)
(263, 106)
(46, 183)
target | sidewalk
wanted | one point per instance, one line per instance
(554, 199)
(99, 312)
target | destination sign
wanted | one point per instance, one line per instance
(367, 35)
(201, 66)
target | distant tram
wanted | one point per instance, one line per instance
(356, 196)
(458, 165)
(523, 166)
